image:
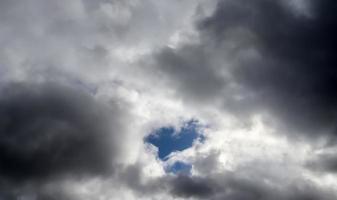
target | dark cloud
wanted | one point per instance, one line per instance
(53, 197)
(294, 74)
(178, 186)
(323, 162)
(51, 132)
(259, 56)
(244, 183)
(203, 163)
(186, 186)
(263, 56)
(234, 186)
(39, 196)
(188, 69)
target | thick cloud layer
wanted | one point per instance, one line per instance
(52, 131)
(259, 55)
(84, 83)
(291, 69)
(232, 186)
(187, 65)
(243, 184)
(324, 162)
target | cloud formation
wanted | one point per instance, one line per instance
(84, 83)
(51, 131)
(284, 60)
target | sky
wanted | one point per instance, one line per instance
(168, 100)
(168, 140)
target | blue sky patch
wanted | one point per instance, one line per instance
(168, 140)
(179, 168)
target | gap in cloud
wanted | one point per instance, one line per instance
(180, 168)
(168, 139)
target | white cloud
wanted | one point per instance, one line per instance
(152, 60)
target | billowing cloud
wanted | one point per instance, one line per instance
(324, 161)
(283, 60)
(232, 186)
(51, 131)
(85, 84)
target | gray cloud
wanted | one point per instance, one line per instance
(253, 180)
(294, 75)
(185, 186)
(261, 56)
(253, 57)
(325, 162)
(51, 131)
(56, 195)
(239, 186)
(243, 184)
(188, 68)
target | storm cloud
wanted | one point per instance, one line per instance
(294, 71)
(86, 88)
(263, 56)
(233, 186)
(53, 131)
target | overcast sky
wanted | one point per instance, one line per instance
(168, 99)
